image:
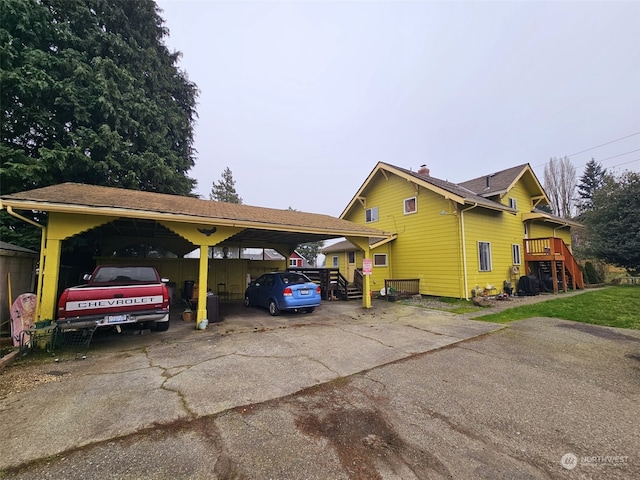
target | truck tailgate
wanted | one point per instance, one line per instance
(112, 301)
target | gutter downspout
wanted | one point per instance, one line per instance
(41, 265)
(464, 251)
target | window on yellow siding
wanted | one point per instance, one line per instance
(513, 204)
(410, 205)
(380, 259)
(515, 253)
(484, 256)
(371, 215)
(334, 262)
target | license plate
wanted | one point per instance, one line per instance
(304, 292)
(117, 318)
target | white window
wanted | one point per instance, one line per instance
(371, 214)
(484, 256)
(334, 262)
(513, 204)
(379, 259)
(515, 253)
(410, 205)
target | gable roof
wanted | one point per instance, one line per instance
(261, 224)
(448, 190)
(343, 246)
(501, 182)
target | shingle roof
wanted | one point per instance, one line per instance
(494, 183)
(343, 246)
(15, 248)
(455, 189)
(56, 197)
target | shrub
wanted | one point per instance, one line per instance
(592, 274)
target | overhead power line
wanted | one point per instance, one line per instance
(602, 145)
(621, 154)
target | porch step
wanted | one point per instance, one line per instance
(353, 293)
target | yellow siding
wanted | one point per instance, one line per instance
(427, 243)
(502, 230)
(544, 230)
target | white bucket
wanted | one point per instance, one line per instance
(202, 324)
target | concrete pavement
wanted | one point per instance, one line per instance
(131, 383)
(540, 398)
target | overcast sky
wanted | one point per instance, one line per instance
(301, 99)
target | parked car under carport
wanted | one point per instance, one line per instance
(279, 291)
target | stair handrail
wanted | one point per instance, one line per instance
(571, 265)
(358, 280)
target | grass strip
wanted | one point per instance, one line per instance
(612, 307)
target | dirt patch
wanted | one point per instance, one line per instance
(23, 376)
(363, 439)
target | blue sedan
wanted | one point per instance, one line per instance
(283, 291)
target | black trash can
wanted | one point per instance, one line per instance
(213, 315)
(187, 293)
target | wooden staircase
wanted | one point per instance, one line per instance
(552, 262)
(354, 290)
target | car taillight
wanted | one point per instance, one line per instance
(62, 305)
(287, 292)
(165, 295)
(318, 290)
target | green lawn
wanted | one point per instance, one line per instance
(611, 307)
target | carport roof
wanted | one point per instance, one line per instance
(266, 225)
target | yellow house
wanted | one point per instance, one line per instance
(459, 240)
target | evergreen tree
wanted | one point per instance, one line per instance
(590, 181)
(91, 94)
(225, 189)
(613, 222)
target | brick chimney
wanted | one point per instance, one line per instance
(423, 170)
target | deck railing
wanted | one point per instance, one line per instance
(402, 287)
(553, 249)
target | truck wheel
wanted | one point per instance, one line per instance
(162, 326)
(273, 308)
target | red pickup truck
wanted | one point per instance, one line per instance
(116, 295)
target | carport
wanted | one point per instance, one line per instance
(177, 223)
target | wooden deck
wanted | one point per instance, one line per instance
(551, 256)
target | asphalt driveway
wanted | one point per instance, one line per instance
(390, 392)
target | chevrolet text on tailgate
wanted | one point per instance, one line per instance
(116, 295)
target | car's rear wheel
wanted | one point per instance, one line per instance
(273, 308)
(309, 310)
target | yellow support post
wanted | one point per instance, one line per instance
(366, 293)
(49, 273)
(363, 244)
(203, 281)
